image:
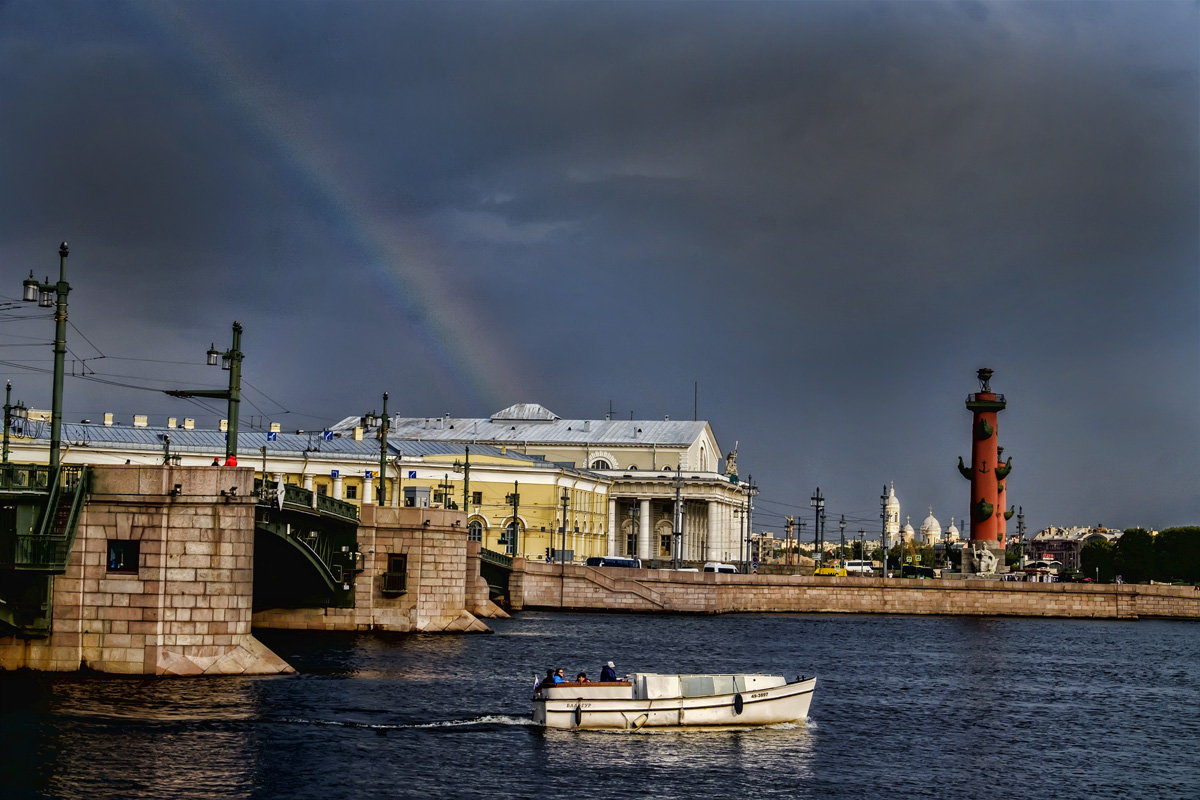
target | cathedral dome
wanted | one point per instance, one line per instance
(931, 529)
(952, 534)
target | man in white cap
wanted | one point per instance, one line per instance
(608, 672)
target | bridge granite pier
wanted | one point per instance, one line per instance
(157, 575)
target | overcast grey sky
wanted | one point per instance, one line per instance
(825, 215)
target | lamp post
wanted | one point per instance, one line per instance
(883, 537)
(562, 553)
(381, 498)
(11, 412)
(464, 467)
(230, 360)
(818, 504)
(677, 523)
(41, 292)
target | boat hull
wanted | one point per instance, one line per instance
(617, 706)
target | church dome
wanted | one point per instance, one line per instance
(907, 532)
(952, 534)
(931, 529)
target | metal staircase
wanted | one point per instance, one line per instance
(39, 516)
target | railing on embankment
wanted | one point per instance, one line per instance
(539, 585)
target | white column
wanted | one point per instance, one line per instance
(644, 529)
(337, 487)
(612, 528)
(368, 487)
(307, 481)
(714, 531)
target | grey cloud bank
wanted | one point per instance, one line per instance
(827, 215)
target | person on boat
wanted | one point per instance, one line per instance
(608, 672)
(582, 678)
(547, 681)
(559, 677)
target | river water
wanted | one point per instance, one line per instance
(939, 707)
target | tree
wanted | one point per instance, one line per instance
(1134, 556)
(1097, 554)
(1177, 554)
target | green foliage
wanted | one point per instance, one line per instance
(1134, 557)
(1098, 554)
(1177, 554)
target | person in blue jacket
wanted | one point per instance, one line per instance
(608, 672)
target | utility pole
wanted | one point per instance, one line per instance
(787, 527)
(11, 413)
(1021, 537)
(677, 527)
(512, 538)
(465, 469)
(750, 511)
(818, 504)
(381, 498)
(842, 547)
(883, 537)
(230, 360)
(32, 290)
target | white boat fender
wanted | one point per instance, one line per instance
(737, 703)
(639, 721)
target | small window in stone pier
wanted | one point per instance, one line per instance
(123, 556)
(395, 580)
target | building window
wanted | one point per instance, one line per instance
(351, 492)
(322, 489)
(475, 531)
(600, 463)
(123, 556)
(395, 580)
(476, 498)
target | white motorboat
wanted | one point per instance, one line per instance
(651, 700)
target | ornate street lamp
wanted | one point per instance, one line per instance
(231, 361)
(562, 554)
(11, 413)
(54, 295)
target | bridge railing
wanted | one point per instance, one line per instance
(24, 477)
(298, 496)
(492, 557)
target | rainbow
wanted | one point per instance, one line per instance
(402, 255)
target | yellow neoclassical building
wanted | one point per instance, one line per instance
(631, 487)
(661, 479)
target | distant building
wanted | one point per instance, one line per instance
(647, 462)
(1065, 544)
(931, 530)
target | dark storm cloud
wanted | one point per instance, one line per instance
(827, 214)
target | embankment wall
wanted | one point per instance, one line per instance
(539, 585)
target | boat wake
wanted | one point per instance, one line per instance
(483, 723)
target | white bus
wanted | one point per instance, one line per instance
(859, 568)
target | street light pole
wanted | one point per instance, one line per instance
(11, 412)
(230, 360)
(562, 553)
(381, 498)
(677, 526)
(883, 537)
(818, 504)
(33, 290)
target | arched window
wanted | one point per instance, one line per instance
(475, 531)
(600, 463)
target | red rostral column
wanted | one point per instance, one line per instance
(986, 473)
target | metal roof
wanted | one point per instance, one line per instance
(314, 444)
(531, 423)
